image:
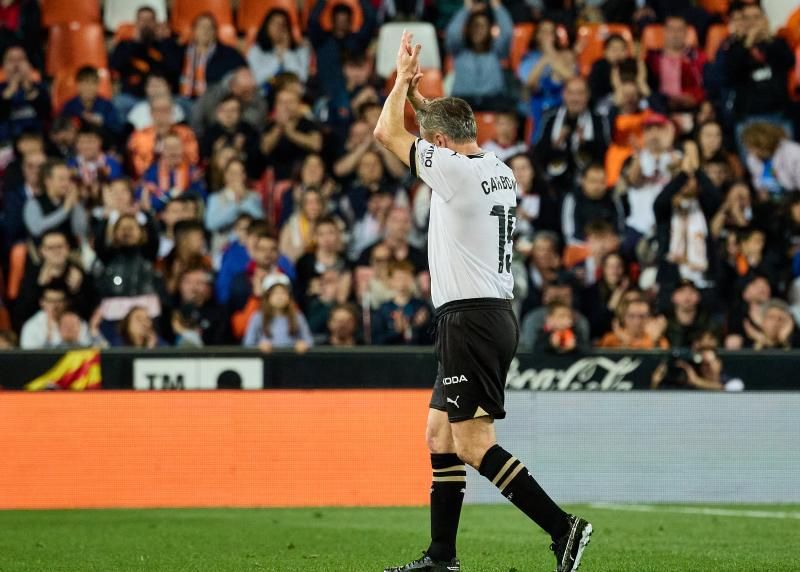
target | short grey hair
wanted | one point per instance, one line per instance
(450, 116)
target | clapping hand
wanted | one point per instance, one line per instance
(407, 58)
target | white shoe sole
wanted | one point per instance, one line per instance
(586, 537)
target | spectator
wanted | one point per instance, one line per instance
(205, 59)
(189, 252)
(584, 260)
(195, 320)
(355, 95)
(405, 319)
(89, 107)
(327, 255)
(676, 71)
(155, 86)
(373, 287)
(151, 50)
(735, 214)
(42, 329)
(704, 371)
(288, 136)
(15, 197)
(687, 318)
(558, 291)
(590, 202)
(24, 102)
(538, 205)
(778, 330)
(146, 145)
(557, 335)
(75, 333)
(572, 136)
(710, 142)
(601, 300)
(230, 131)
(137, 330)
(398, 227)
(296, 237)
(477, 55)
(91, 167)
(635, 329)
(8, 340)
(28, 142)
(613, 68)
(181, 208)
(58, 207)
(542, 265)
(773, 160)
(276, 49)
(242, 85)
(544, 70)
(170, 176)
(327, 294)
(61, 138)
(312, 175)
(20, 24)
(228, 203)
(506, 142)
(117, 201)
(359, 142)
(279, 324)
(342, 327)
(368, 230)
(370, 177)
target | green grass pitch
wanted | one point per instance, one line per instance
(491, 539)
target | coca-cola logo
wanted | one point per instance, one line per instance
(587, 374)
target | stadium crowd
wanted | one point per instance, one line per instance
(234, 194)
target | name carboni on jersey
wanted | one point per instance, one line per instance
(498, 183)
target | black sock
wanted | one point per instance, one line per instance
(447, 496)
(509, 475)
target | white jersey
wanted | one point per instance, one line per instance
(473, 215)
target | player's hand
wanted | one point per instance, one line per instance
(407, 58)
(414, 96)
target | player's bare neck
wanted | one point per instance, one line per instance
(471, 148)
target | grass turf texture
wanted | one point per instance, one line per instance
(491, 538)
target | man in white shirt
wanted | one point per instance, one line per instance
(472, 221)
(42, 329)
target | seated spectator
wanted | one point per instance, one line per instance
(707, 374)
(181, 208)
(27, 143)
(748, 256)
(276, 50)
(24, 102)
(687, 318)
(146, 145)
(327, 293)
(676, 71)
(398, 227)
(228, 203)
(572, 136)
(506, 142)
(773, 160)
(735, 214)
(288, 136)
(370, 177)
(206, 60)
(558, 291)
(189, 252)
(544, 70)
(279, 324)
(8, 339)
(170, 176)
(477, 55)
(21, 23)
(601, 300)
(367, 230)
(61, 137)
(538, 204)
(557, 335)
(15, 197)
(242, 85)
(372, 287)
(195, 320)
(635, 329)
(342, 327)
(609, 71)
(42, 330)
(230, 131)
(297, 235)
(542, 265)
(710, 142)
(58, 207)
(92, 167)
(592, 201)
(778, 330)
(405, 319)
(360, 142)
(53, 267)
(744, 317)
(327, 255)
(90, 108)
(151, 50)
(137, 330)
(155, 86)
(311, 176)
(355, 95)
(117, 197)
(75, 333)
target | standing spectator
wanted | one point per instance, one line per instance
(58, 207)
(297, 234)
(601, 299)
(538, 205)
(687, 319)
(477, 55)
(91, 167)
(205, 60)
(326, 256)
(590, 202)
(181, 208)
(542, 265)
(150, 50)
(24, 102)
(342, 327)
(137, 330)
(195, 320)
(141, 116)
(634, 328)
(736, 213)
(773, 159)
(242, 85)
(230, 131)
(676, 71)
(615, 66)
(15, 198)
(171, 176)
(544, 70)
(506, 142)
(289, 136)
(146, 145)
(279, 324)
(189, 252)
(20, 23)
(42, 329)
(276, 50)
(89, 107)
(405, 319)
(572, 136)
(710, 142)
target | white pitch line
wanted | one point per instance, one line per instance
(697, 510)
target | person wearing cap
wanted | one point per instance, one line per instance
(279, 324)
(687, 319)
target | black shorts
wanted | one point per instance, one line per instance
(475, 342)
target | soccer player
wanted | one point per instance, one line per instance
(469, 246)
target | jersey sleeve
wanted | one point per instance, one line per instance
(437, 166)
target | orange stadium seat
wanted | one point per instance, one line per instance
(17, 257)
(64, 87)
(305, 12)
(715, 6)
(591, 38)
(326, 18)
(653, 37)
(520, 40)
(252, 12)
(794, 77)
(486, 126)
(74, 45)
(714, 37)
(63, 12)
(185, 11)
(792, 29)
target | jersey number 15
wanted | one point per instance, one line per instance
(506, 219)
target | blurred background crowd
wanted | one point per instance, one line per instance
(205, 174)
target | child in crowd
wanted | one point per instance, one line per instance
(279, 324)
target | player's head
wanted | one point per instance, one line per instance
(448, 121)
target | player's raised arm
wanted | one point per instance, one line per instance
(390, 130)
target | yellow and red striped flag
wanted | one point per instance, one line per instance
(76, 370)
